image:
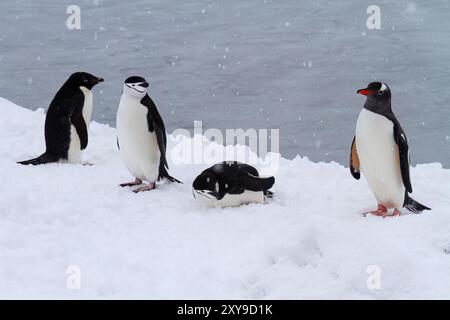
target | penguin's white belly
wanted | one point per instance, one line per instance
(138, 146)
(379, 158)
(232, 200)
(74, 153)
(87, 107)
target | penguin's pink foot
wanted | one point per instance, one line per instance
(147, 187)
(136, 182)
(381, 211)
(396, 213)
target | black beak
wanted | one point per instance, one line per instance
(100, 80)
(144, 85)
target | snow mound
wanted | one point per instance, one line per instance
(310, 241)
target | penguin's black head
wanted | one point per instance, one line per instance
(84, 79)
(378, 91)
(378, 97)
(206, 185)
(135, 86)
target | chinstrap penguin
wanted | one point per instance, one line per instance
(67, 120)
(231, 184)
(141, 136)
(380, 150)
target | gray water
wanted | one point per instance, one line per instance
(293, 65)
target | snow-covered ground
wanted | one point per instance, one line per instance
(310, 241)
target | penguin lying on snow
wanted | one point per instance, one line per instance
(230, 184)
(380, 150)
(141, 136)
(67, 120)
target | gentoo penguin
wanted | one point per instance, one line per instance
(141, 136)
(231, 184)
(67, 121)
(380, 150)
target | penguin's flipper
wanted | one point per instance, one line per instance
(403, 149)
(253, 183)
(354, 161)
(79, 124)
(156, 123)
(42, 159)
(162, 143)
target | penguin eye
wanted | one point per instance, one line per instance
(380, 92)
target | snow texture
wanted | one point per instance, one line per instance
(310, 241)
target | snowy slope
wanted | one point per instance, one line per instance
(311, 241)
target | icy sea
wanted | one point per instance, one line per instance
(289, 65)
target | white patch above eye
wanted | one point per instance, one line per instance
(382, 89)
(226, 185)
(208, 179)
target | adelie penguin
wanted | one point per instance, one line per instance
(380, 150)
(141, 136)
(231, 184)
(67, 120)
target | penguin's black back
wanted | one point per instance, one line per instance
(232, 177)
(233, 168)
(67, 102)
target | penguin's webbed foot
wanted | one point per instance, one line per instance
(396, 213)
(147, 187)
(136, 182)
(381, 211)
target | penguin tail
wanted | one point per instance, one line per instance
(42, 159)
(414, 206)
(163, 174)
(171, 179)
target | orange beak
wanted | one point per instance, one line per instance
(364, 92)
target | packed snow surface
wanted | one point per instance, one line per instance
(309, 241)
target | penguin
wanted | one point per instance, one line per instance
(141, 136)
(380, 150)
(67, 121)
(231, 184)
